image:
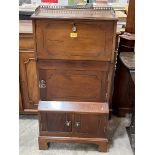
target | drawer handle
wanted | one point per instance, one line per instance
(74, 29)
(67, 123)
(77, 124)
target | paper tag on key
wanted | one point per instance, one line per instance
(73, 35)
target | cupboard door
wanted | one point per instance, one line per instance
(59, 122)
(73, 85)
(90, 125)
(28, 80)
(85, 81)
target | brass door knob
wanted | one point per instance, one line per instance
(67, 123)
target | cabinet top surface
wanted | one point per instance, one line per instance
(79, 107)
(102, 13)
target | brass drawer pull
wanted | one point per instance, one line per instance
(77, 124)
(42, 84)
(67, 123)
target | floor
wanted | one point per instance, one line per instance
(28, 133)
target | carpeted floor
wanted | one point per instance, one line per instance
(119, 141)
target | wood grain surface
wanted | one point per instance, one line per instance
(82, 107)
(94, 41)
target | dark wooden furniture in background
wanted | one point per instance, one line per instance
(127, 40)
(75, 62)
(79, 122)
(126, 44)
(27, 70)
(130, 23)
(131, 128)
(124, 87)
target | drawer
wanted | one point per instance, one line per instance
(90, 41)
(73, 81)
(90, 125)
(26, 42)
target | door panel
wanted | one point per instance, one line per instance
(87, 123)
(59, 122)
(94, 40)
(73, 85)
(90, 125)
